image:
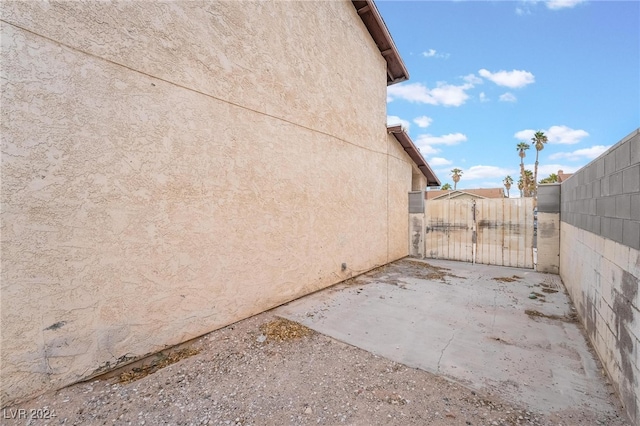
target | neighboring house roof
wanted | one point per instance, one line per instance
(403, 139)
(368, 12)
(563, 176)
(476, 193)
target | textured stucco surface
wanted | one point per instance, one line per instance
(602, 278)
(170, 168)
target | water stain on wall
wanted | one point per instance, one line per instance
(511, 227)
(589, 315)
(625, 341)
(440, 225)
(547, 229)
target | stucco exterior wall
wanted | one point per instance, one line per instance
(402, 171)
(600, 260)
(170, 168)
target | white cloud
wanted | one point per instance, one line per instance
(524, 135)
(443, 94)
(565, 135)
(450, 95)
(525, 6)
(555, 134)
(483, 97)
(513, 79)
(449, 139)
(426, 150)
(423, 121)
(508, 97)
(580, 154)
(486, 172)
(472, 79)
(432, 53)
(426, 142)
(393, 120)
(438, 161)
(562, 4)
(412, 92)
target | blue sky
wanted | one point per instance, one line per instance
(484, 75)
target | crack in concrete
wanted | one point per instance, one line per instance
(445, 348)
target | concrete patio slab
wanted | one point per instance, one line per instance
(479, 325)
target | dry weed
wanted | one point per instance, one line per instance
(163, 361)
(282, 330)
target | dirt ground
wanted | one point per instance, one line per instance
(268, 371)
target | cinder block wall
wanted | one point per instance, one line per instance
(600, 260)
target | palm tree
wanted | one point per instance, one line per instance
(522, 147)
(508, 181)
(446, 187)
(521, 187)
(529, 184)
(538, 139)
(552, 178)
(526, 184)
(455, 175)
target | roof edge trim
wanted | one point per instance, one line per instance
(367, 11)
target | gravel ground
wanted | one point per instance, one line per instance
(266, 371)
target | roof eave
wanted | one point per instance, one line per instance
(368, 12)
(407, 144)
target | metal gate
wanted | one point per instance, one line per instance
(488, 231)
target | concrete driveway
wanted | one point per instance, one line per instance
(512, 332)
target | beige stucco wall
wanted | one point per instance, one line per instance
(402, 171)
(602, 278)
(170, 168)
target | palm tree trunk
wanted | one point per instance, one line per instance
(535, 176)
(522, 175)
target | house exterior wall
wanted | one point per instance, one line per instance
(401, 170)
(171, 168)
(600, 260)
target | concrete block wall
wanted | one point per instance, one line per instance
(604, 196)
(600, 260)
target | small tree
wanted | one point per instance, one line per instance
(508, 181)
(455, 175)
(446, 187)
